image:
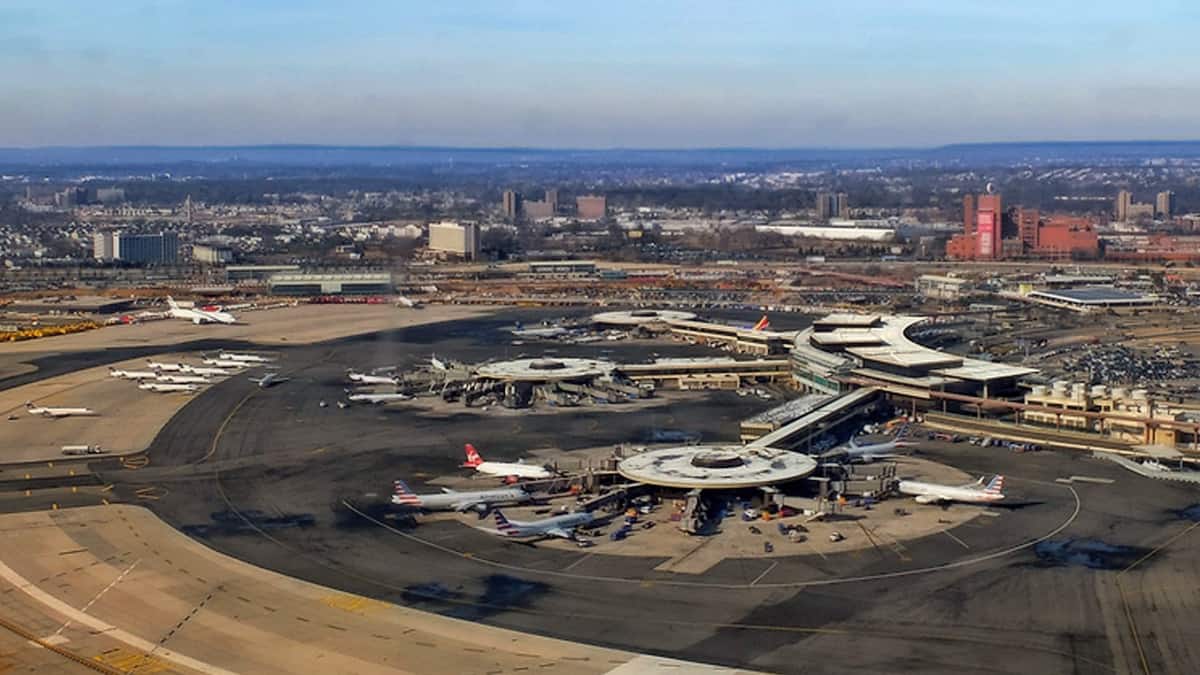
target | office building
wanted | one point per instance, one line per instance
(988, 224)
(1164, 204)
(212, 253)
(545, 209)
(968, 214)
(512, 205)
(71, 196)
(832, 205)
(110, 195)
(104, 246)
(147, 249)
(453, 238)
(591, 207)
(1121, 208)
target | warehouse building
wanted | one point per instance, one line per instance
(317, 283)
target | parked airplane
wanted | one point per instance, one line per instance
(543, 332)
(58, 412)
(183, 379)
(408, 302)
(163, 387)
(971, 493)
(210, 371)
(506, 469)
(133, 374)
(243, 358)
(437, 363)
(378, 398)
(762, 324)
(449, 500)
(197, 315)
(365, 378)
(854, 452)
(269, 380)
(164, 366)
(224, 363)
(557, 526)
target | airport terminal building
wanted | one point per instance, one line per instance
(844, 351)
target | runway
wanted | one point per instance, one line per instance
(983, 596)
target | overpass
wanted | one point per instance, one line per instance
(820, 420)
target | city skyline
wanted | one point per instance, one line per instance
(534, 74)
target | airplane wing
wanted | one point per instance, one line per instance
(930, 499)
(560, 532)
(470, 505)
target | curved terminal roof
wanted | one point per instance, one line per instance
(716, 467)
(641, 317)
(546, 369)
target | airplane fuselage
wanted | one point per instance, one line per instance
(462, 501)
(513, 469)
(934, 492)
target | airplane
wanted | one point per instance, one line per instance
(408, 302)
(363, 378)
(480, 501)
(763, 323)
(197, 315)
(437, 363)
(269, 380)
(378, 398)
(224, 363)
(557, 526)
(971, 493)
(200, 370)
(183, 379)
(546, 332)
(506, 469)
(58, 412)
(133, 374)
(162, 365)
(164, 388)
(866, 454)
(243, 358)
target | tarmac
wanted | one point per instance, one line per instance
(1081, 577)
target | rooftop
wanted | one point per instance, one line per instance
(716, 466)
(847, 319)
(1094, 295)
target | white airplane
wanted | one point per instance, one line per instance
(243, 358)
(378, 398)
(224, 363)
(164, 366)
(208, 371)
(448, 500)
(184, 379)
(506, 469)
(133, 374)
(269, 380)
(971, 493)
(365, 378)
(197, 315)
(58, 412)
(557, 526)
(407, 302)
(437, 363)
(545, 332)
(854, 452)
(163, 388)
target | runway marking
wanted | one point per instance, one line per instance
(54, 604)
(91, 602)
(212, 450)
(583, 557)
(765, 572)
(960, 541)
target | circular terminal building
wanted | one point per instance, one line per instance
(546, 370)
(717, 467)
(646, 318)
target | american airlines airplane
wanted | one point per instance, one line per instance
(58, 412)
(164, 366)
(557, 526)
(243, 358)
(197, 315)
(854, 452)
(133, 374)
(971, 493)
(183, 379)
(505, 469)
(365, 378)
(378, 398)
(269, 380)
(480, 501)
(165, 388)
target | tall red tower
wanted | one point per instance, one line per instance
(987, 227)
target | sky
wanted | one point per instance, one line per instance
(596, 73)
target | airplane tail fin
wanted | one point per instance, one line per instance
(503, 525)
(171, 303)
(763, 323)
(403, 495)
(995, 486)
(473, 458)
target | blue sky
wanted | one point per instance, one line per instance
(655, 73)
